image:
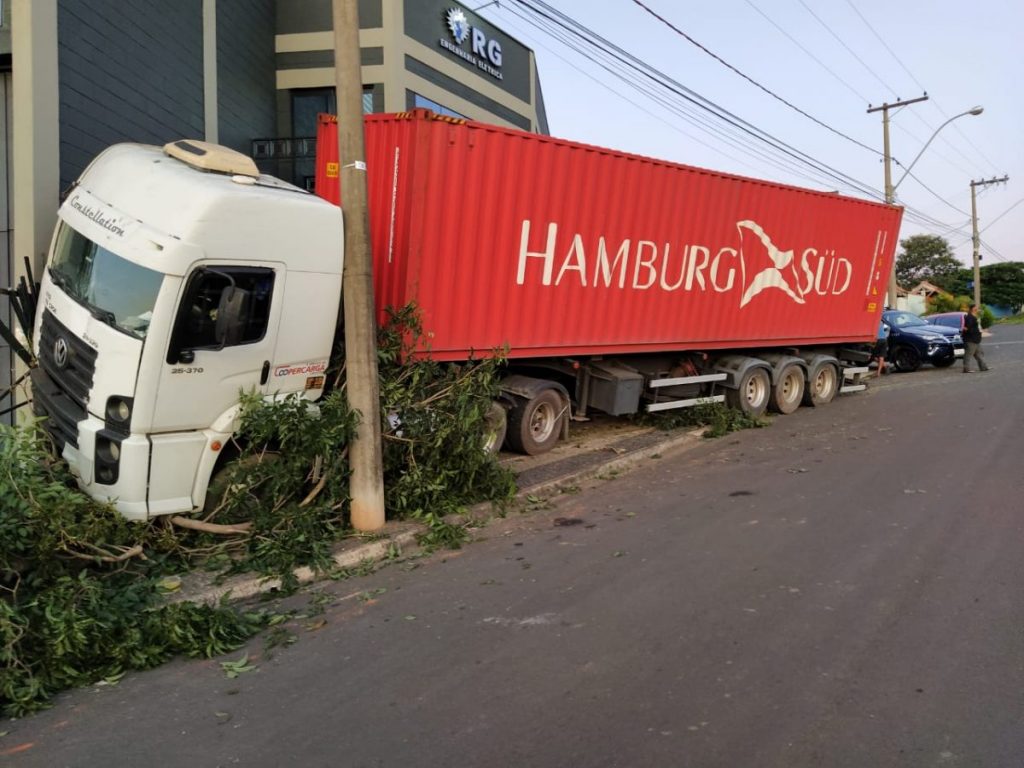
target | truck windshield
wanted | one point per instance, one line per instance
(116, 291)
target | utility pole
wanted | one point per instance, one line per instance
(890, 190)
(363, 388)
(976, 236)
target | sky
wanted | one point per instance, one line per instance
(829, 59)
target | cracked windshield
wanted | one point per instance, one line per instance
(117, 292)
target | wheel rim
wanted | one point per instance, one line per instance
(790, 388)
(824, 382)
(756, 391)
(542, 422)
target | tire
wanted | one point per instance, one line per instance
(534, 425)
(751, 396)
(822, 386)
(944, 362)
(906, 359)
(495, 429)
(788, 391)
(219, 488)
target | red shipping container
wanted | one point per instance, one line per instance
(555, 248)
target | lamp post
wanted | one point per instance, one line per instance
(890, 188)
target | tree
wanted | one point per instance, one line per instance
(1002, 285)
(926, 257)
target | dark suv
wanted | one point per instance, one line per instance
(913, 341)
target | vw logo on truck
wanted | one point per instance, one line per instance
(60, 352)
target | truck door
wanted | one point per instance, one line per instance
(222, 343)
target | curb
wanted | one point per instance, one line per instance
(400, 537)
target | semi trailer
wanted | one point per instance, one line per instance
(180, 276)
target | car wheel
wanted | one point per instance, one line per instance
(906, 359)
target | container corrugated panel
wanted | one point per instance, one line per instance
(552, 248)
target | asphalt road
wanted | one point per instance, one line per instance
(840, 589)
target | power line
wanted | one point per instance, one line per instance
(997, 218)
(885, 45)
(693, 107)
(753, 82)
(819, 62)
(934, 193)
(905, 69)
(848, 48)
(556, 17)
(723, 133)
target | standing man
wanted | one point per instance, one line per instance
(881, 346)
(972, 340)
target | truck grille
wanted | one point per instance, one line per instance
(61, 383)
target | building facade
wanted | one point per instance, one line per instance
(435, 54)
(79, 75)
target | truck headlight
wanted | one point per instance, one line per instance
(108, 457)
(119, 413)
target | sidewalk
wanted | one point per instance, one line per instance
(602, 447)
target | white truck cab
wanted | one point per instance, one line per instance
(176, 279)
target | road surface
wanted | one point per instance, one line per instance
(842, 589)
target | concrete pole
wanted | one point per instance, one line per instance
(976, 240)
(890, 198)
(890, 188)
(976, 235)
(363, 387)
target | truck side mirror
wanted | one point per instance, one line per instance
(232, 316)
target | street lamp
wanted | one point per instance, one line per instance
(890, 188)
(973, 111)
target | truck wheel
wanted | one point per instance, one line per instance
(533, 425)
(788, 390)
(751, 396)
(220, 488)
(822, 386)
(906, 359)
(495, 427)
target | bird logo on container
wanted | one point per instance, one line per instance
(770, 267)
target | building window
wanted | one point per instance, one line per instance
(425, 103)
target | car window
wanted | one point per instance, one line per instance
(905, 320)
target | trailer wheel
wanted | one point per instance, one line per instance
(788, 390)
(533, 425)
(751, 396)
(495, 428)
(822, 385)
